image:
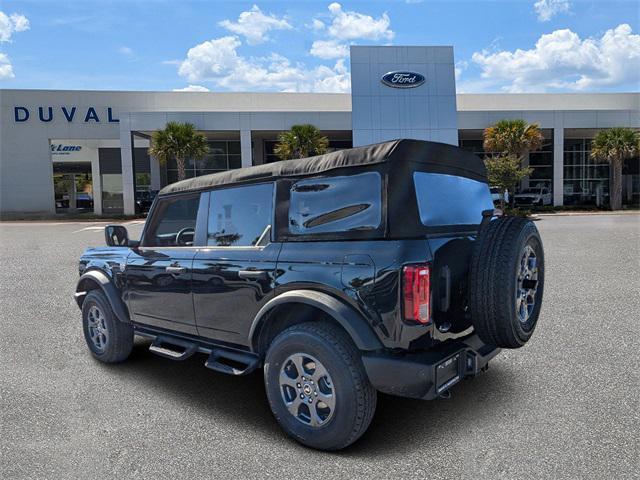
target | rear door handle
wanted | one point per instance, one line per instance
(176, 270)
(252, 274)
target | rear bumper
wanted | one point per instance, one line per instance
(428, 374)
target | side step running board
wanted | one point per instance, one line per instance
(163, 346)
(231, 362)
(240, 363)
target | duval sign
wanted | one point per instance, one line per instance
(67, 113)
(401, 79)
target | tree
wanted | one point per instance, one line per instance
(505, 172)
(300, 142)
(614, 146)
(180, 141)
(514, 138)
(509, 142)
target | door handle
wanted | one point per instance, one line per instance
(176, 270)
(252, 274)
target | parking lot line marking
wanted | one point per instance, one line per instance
(92, 228)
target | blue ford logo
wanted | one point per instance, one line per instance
(402, 79)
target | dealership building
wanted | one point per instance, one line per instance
(68, 151)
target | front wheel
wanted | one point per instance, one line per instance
(317, 386)
(108, 339)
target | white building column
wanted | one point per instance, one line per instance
(154, 166)
(558, 165)
(96, 184)
(246, 156)
(126, 157)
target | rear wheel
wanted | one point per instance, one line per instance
(317, 387)
(506, 282)
(108, 339)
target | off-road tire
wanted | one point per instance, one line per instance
(119, 342)
(493, 283)
(355, 397)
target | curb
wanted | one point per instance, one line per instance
(571, 214)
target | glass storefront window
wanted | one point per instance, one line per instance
(270, 145)
(143, 182)
(541, 161)
(112, 201)
(223, 155)
(586, 181)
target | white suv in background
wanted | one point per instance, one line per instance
(539, 195)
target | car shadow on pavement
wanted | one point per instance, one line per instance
(402, 425)
(237, 399)
(399, 425)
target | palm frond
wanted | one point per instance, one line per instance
(300, 142)
(179, 141)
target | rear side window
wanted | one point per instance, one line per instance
(174, 222)
(450, 200)
(240, 216)
(336, 204)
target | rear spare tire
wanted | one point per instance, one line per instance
(506, 281)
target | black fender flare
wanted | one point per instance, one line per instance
(354, 323)
(105, 284)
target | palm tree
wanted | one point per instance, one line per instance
(614, 146)
(180, 141)
(509, 142)
(514, 138)
(300, 142)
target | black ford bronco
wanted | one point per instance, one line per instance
(381, 268)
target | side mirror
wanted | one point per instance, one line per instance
(116, 236)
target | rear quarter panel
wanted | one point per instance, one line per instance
(363, 274)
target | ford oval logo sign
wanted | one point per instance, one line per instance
(402, 79)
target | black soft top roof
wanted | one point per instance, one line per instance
(432, 156)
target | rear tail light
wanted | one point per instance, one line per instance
(416, 290)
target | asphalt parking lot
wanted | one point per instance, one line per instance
(567, 405)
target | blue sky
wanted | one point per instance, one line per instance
(500, 46)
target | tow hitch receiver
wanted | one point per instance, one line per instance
(429, 374)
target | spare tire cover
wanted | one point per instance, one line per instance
(506, 281)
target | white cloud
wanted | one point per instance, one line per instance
(210, 59)
(317, 25)
(219, 62)
(347, 25)
(328, 49)
(460, 67)
(561, 60)
(344, 27)
(254, 25)
(332, 80)
(6, 69)
(10, 24)
(547, 9)
(125, 51)
(192, 88)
